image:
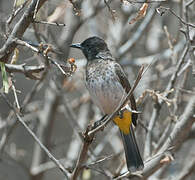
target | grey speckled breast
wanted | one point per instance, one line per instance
(103, 85)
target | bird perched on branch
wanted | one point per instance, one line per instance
(108, 86)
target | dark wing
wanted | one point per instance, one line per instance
(126, 85)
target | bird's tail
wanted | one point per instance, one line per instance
(133, 157)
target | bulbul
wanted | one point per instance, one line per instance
(108, 86)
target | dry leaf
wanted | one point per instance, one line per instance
(71, 61)
(15, 56)
(6, 84)
(141, 13)
(166, 159)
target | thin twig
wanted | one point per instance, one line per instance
(158, 104)
(170, 44)
(31, 94)
(165, 54)
(58, 164)
(98, 161)
(66, 72)
(45, 167)
(49, 23)
(139, 32)
(15, 11)
(164, 136)
(36, 9)
(176, 138)
(175, 74)
(15, 96)
(19, 30)
(112, 12)
(161, 11)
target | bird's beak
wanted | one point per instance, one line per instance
(77, 45)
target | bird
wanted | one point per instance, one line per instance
(108, 85)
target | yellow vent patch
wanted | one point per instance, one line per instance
(124, 121)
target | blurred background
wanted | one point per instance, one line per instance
(58, 108)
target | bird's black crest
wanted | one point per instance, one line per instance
(93, 46)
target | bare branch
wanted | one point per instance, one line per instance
(28, 71)
(176, 138)
(15, 11)
(19, 30)
(158, 105)
(58, 164)
(112, 12)
(49, 23)
(161, 11)
(36, 9)
(15, 96)
(182, 127)
(139, 32)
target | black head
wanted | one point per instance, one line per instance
(91, 47)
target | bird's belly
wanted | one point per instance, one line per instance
(107, 94)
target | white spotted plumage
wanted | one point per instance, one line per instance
(103, 85)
